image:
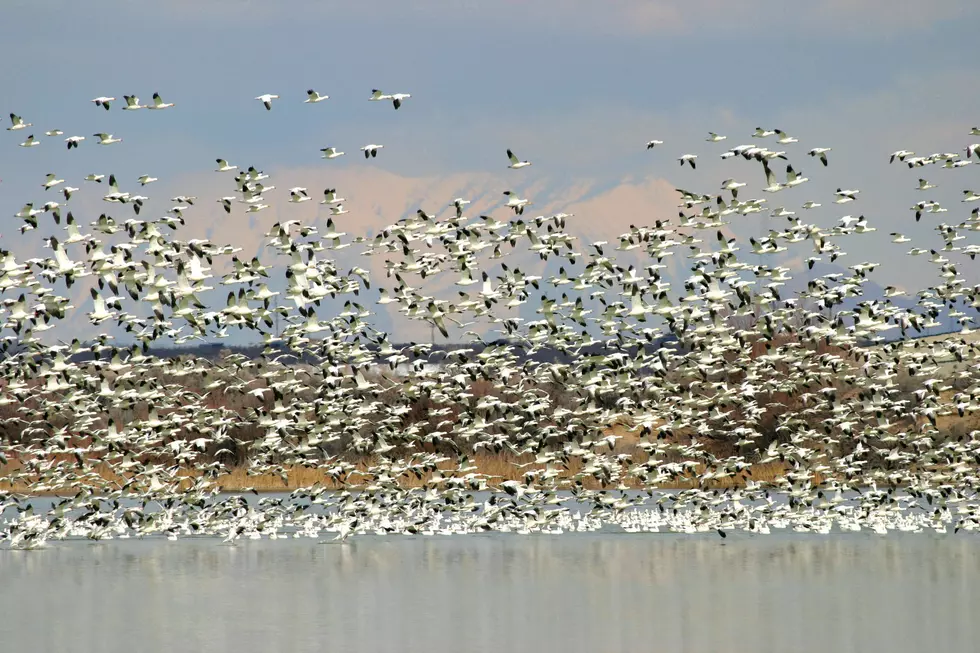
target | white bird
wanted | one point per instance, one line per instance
(762, 133)
(652, 144)
(158, 103)
(73, 141)
(18, 123)
(267, 99)
(107, 139)
(970, 196)
(784, 138)
(51, 181)
(338, 210)
(371, 150)
(146, 179)
(377, 96)
(772, 186)
(223, 166)
(924, 185)
(844, 196)
(94, 177)
(298, 194)
(810, 204)
(396, 98)
(714, 138)
(132, 103)
(54, 132)
(30, 142)
(688, 158)
(330, 197)
(900, 155)
(313, 97)
(792, 178)
(820, 152)
(330, 152)
(516, 163)
(103, 101)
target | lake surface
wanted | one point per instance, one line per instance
(582, 592)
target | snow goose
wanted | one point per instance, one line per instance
(714, 138)
(18, 123)
(330, 152)
(223, 166)
(762, 133)
(267, 99)
(377, 96)
(784, 138)
(794, 179)
(330, 197)
(772, 186)
(516, 163)
(844, 196)
(820, 152)
(30, 142)
(67, 191)
(103, 101)
(132, 103)
(94, 177)
(51, 181)
(970, 196)
(314, 97)
(396, 98)
(146, 179)
(73, 141)
(338, 210)
(924, 185)
(689, 159)
(298, 194)
(371, 150)
(900, 155)
(106, 139)
(158, 103)
(654, 143)
(53, 132)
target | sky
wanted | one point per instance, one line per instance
(578, 87)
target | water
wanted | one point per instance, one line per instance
(583, 592)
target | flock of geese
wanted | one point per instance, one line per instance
(589, 390)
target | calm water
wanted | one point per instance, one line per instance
(568, 593)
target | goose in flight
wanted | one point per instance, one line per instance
(515, 202)
(763, 133)
(784, 138)
(330, 152)
(377, 96)
(338, 210)
(654, 143)
(844, 196)
(106, 139)
(51, 181)
(688, 158)
(267, 99)
(223, 166)
(73, 141)
(103, 101)
(396, 98)
(793, 178)
(158, 103)
(94, 177)
(924, 185)
(772, 186)
(146, 179)
(820, 152)
(30, 142)
(900, 155)
(714, 138)
(53, 132)
(970, 196)
(330, 197)
(371, 150)
(516, 163)
(298, 194)
(132, 103)
(314, 97)
(18, 123)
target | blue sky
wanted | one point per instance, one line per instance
(577, 87)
